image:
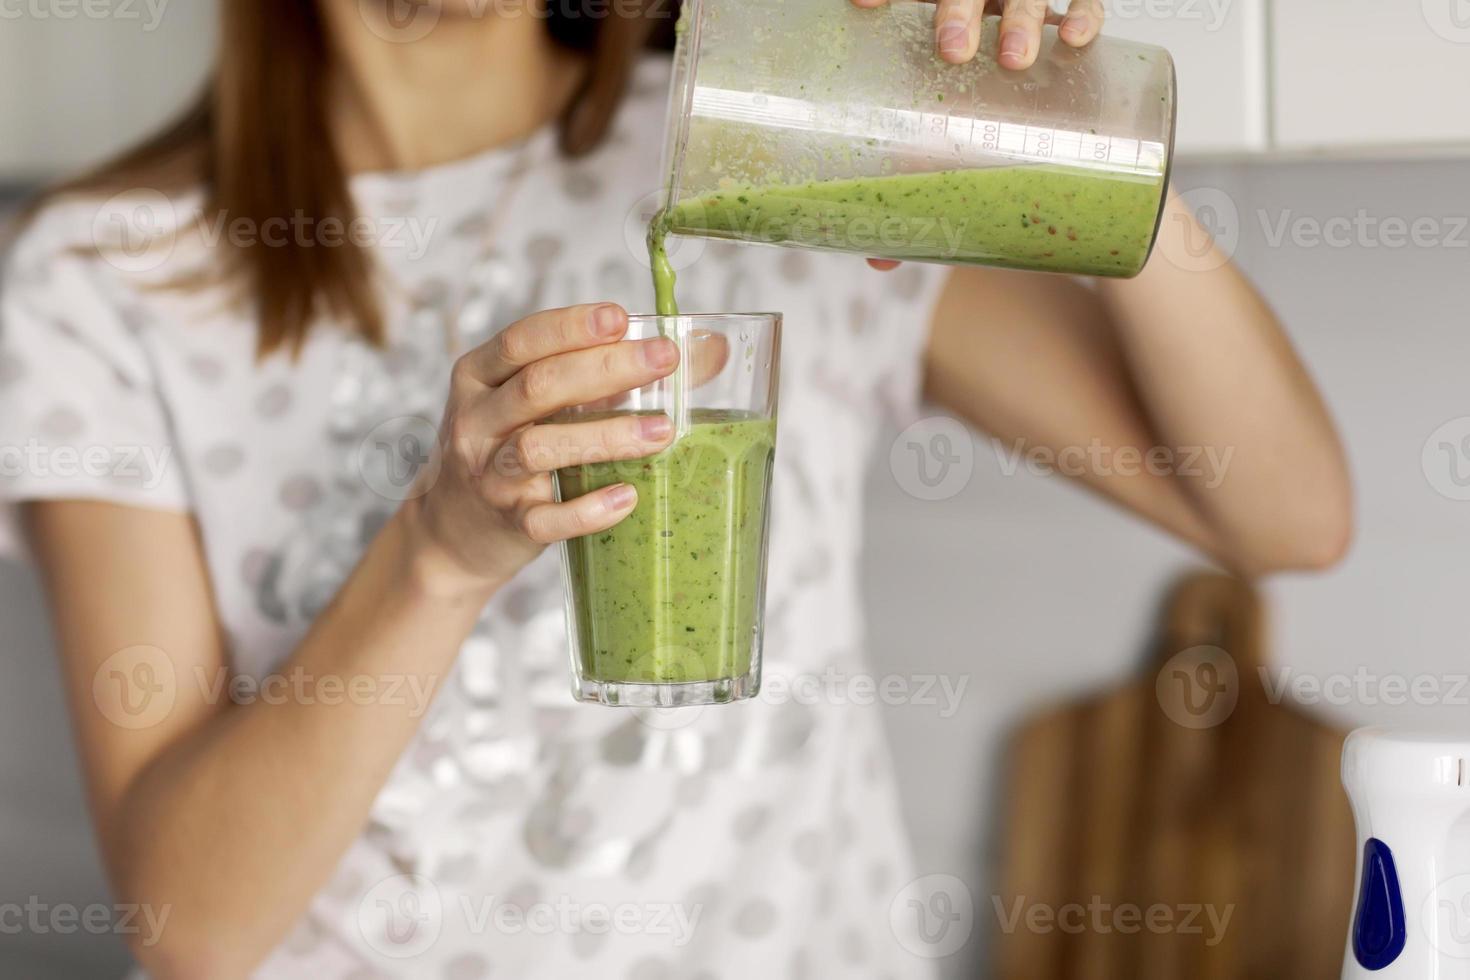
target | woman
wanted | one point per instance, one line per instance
(255, 607)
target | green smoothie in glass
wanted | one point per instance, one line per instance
(672, 594)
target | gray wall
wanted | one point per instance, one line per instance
(1036, 591)
(46, 847)
(1041, 592)
(79, 82)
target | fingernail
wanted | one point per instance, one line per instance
(620, 497)
(954, 37)
(655, 428)
(607, 321)
(659, 352)
(1013, 45)
(1075, 25)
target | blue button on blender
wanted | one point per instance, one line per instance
(1378, 924)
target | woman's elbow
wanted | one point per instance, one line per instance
(185, 953)
(1314, 541)
(1326, 526)
(179, 940)
(1324, 547)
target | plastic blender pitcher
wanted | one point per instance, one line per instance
(818, 124)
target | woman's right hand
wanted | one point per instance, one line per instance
(491, 509)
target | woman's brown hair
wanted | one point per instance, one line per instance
(255, 142)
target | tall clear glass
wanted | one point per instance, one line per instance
(823, 125)
(666, 609)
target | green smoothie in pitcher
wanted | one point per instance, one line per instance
(1040, 217)
(673, 593)
(1048, 218)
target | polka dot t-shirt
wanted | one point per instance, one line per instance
(521, 835)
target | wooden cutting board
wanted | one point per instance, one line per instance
(1186, 788)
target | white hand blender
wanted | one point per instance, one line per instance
(1410, 794)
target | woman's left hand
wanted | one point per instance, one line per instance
(957, 27)
(957, 35)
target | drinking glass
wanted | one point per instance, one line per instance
(666, 608)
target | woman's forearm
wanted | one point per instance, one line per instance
(230, 812)
(1219, 379)
(236, 865)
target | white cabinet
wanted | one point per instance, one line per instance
(1370, 73)
(80, 81)
(1219, 49)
